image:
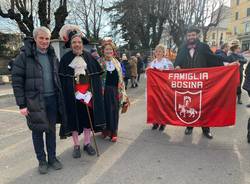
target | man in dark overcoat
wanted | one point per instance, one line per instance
(195, 54)
(82, 88)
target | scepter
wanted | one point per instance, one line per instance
(92, 130)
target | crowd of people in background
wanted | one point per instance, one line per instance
(230, 53)
(132, 69)
(133, 66)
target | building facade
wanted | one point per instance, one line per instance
(240, 22)
(220, 34)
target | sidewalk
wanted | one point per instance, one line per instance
(6, 90)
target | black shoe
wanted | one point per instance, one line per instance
(248, 105)
(188, 131)
(43, 167)
(208, 135)
(55, 164)
(155, 126)
(248, 137)
(239, 99)
(162, 128)
(89, 149)
(76, 152)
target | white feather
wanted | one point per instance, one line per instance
(66, 29)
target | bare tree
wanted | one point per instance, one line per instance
(185, 13)
(141, 22)
(60, 15)
(212, 16)
(89, 14)
(154, 12)
(24, 14)
(181, 15)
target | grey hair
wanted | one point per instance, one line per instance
(41, 29)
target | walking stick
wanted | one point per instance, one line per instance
(92, 130)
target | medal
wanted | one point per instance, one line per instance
(110, 66)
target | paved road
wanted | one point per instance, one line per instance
(139, 156)
(5, 90)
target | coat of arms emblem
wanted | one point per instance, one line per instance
(188, 106)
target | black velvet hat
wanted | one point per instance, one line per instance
(73, 34)
(193, 29)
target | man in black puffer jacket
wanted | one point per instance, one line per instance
(38, 94)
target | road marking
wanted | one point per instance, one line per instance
(105, 162)
(139, 98)
(12, 148)
(6, 110)
(16, 132)
(134, 102)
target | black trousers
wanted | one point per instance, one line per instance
(125, 79)
(50, 137)
(239, 91)
(138, 77)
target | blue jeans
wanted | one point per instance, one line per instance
(50, 137)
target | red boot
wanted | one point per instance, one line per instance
(114, 137)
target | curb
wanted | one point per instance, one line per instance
(6, 96)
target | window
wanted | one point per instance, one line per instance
(237, 2)
(248, 12)
(235, 30)
(247, 27)
(236, 15)
(221, 36)
(213, 36)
